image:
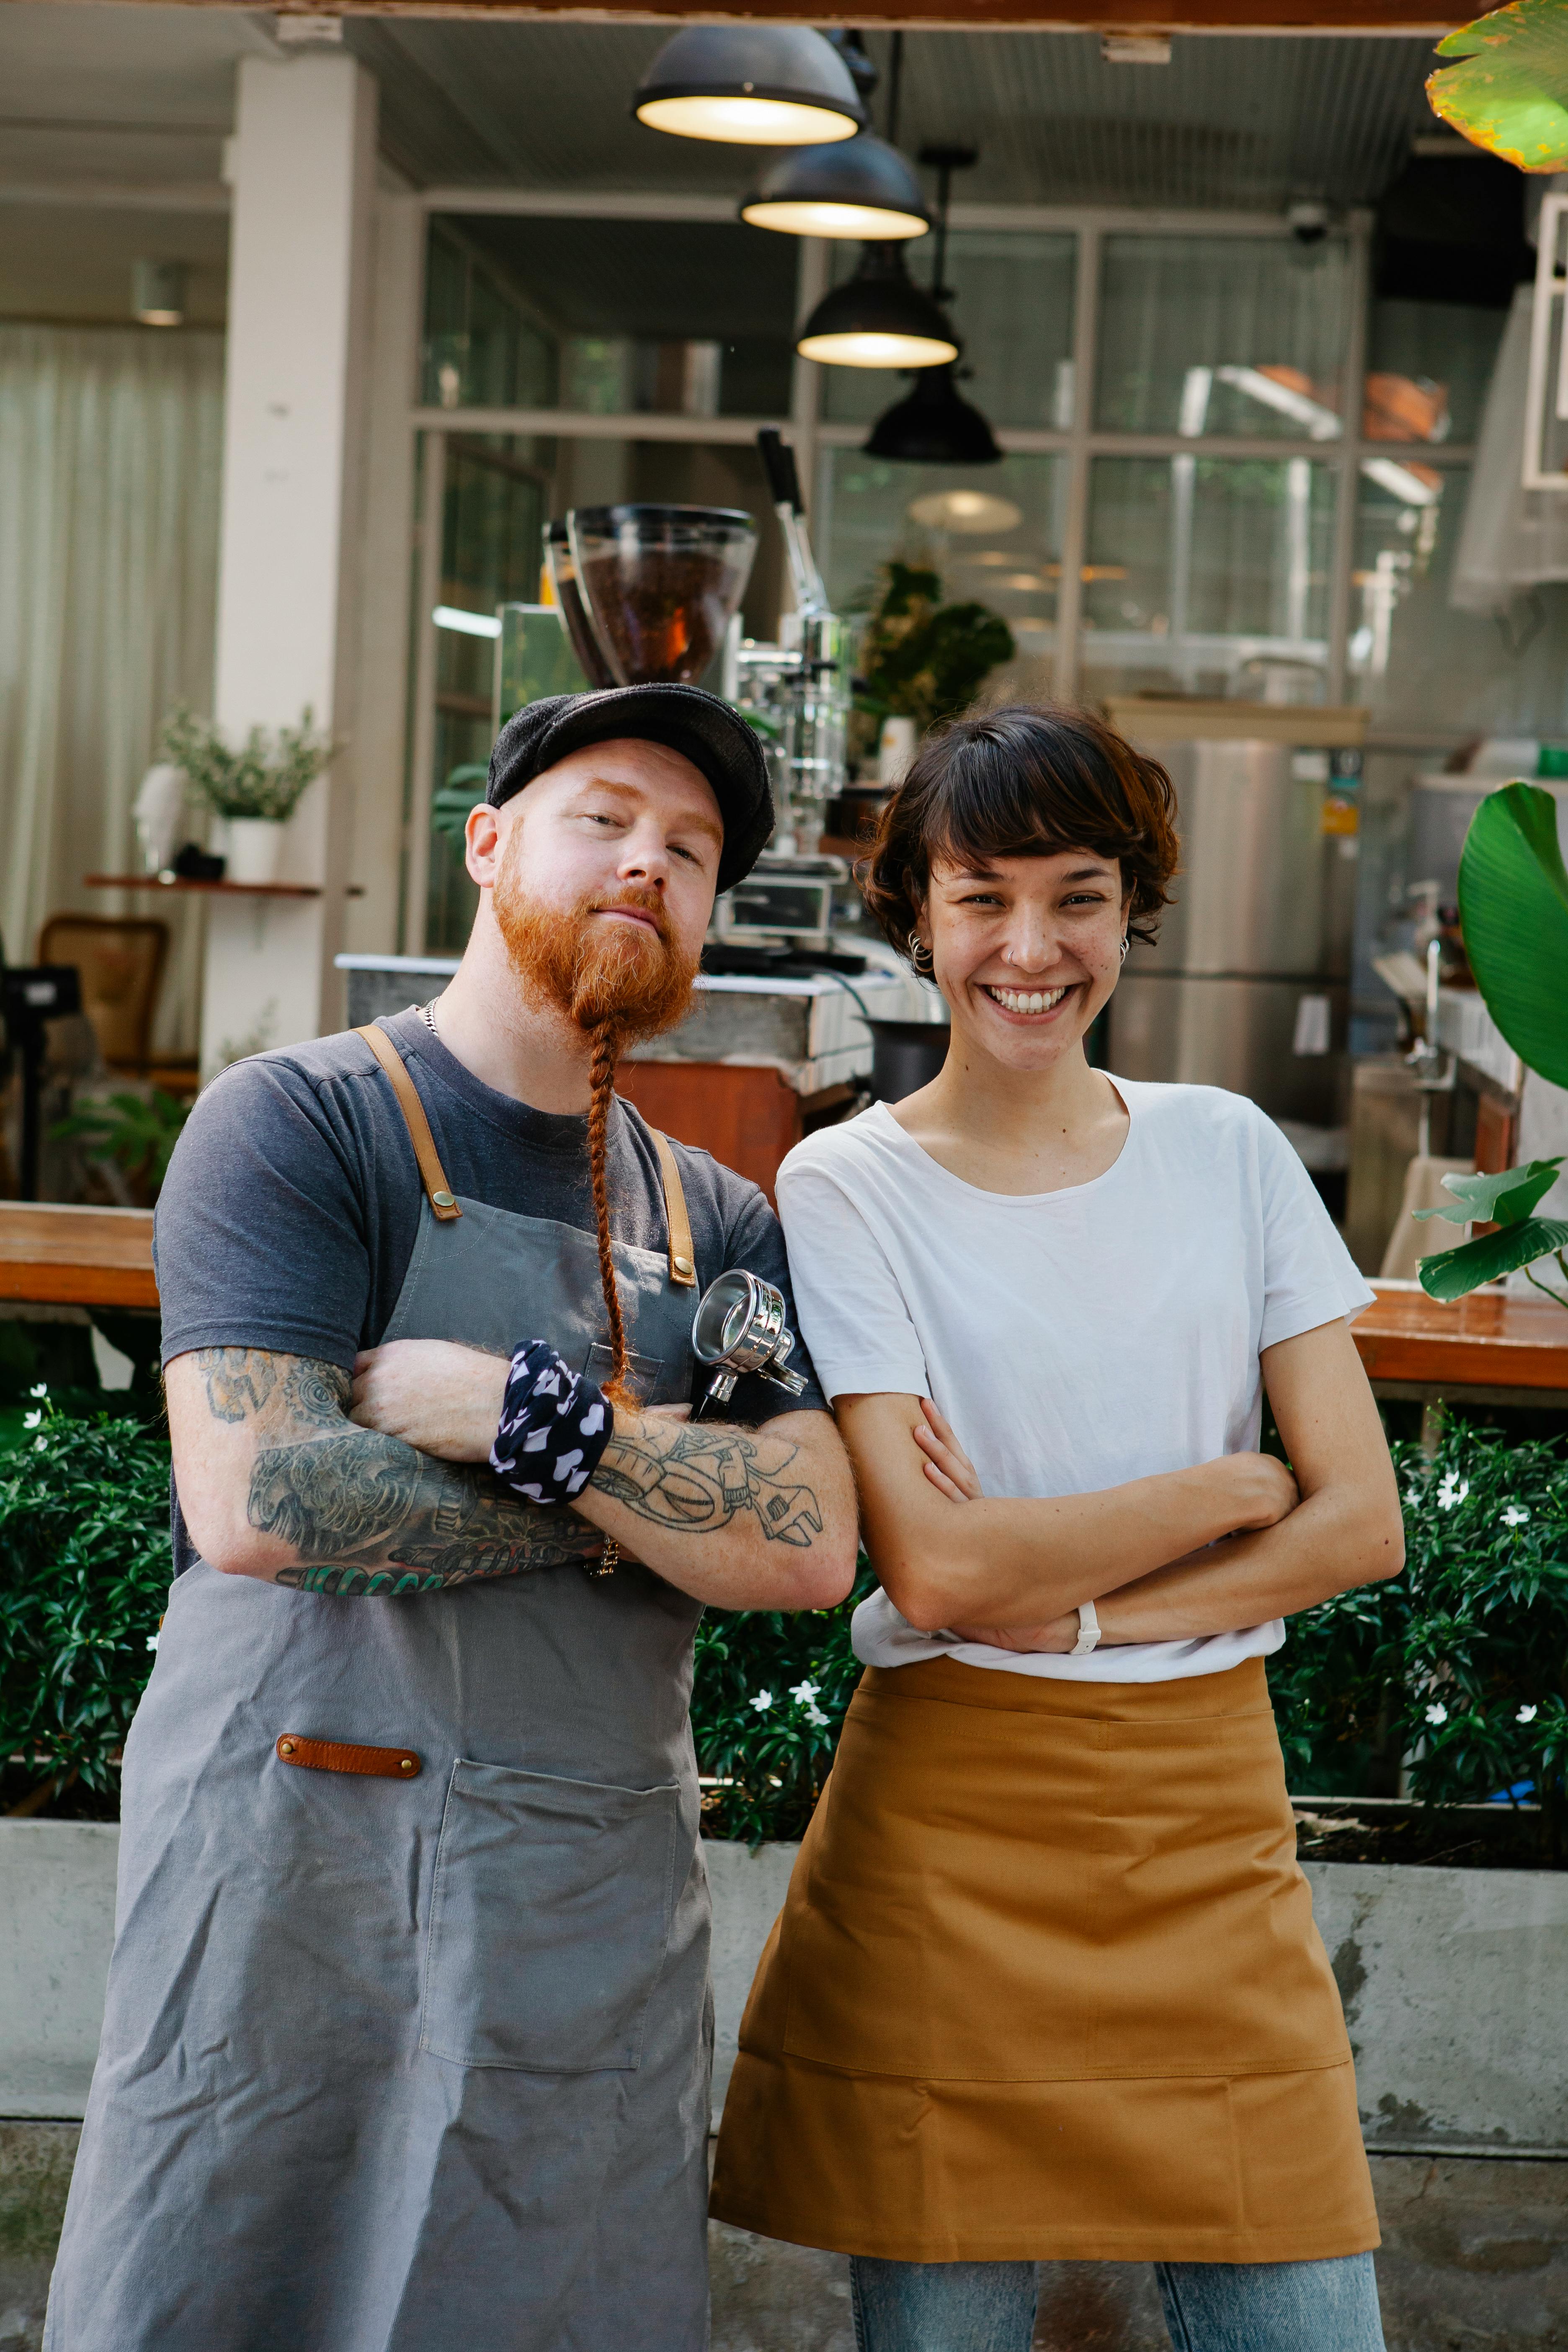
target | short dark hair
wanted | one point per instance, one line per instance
(1023, 781)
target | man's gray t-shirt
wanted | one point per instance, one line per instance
(291, 1204)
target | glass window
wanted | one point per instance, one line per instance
(482, 348)
(1428, 367)
(1222, 334)
(1208, 576)
(1413, 658)
(497, 491)
(1012, 306)
(992, 533)
(689, 317)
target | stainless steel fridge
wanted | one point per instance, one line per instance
(1249, 985)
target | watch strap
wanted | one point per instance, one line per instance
(1087, 1630)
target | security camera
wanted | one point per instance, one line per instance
(1308, 220)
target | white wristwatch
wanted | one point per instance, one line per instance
(1088, 1632)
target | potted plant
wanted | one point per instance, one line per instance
(256, 788)
(922, 660)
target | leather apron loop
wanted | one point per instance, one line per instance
(432, 1175)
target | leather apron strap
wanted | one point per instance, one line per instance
(432, 1175)
(682, 1263)
(444, 1201)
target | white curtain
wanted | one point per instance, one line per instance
(111, 449)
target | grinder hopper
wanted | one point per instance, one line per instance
(647, 591)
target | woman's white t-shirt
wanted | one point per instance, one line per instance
(1075, 1340)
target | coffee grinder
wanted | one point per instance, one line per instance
(651, 593)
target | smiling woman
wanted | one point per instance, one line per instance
(1046, 1985)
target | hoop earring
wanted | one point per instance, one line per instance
(1126, 943)
(918, 948)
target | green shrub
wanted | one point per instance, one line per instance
(1460, 1666)
(84, 1576)
(768, 1697)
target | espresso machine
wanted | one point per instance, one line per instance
(651, 595)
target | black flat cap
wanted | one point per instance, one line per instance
(710, 734)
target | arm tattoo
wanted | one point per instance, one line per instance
(695, 1476)
(365, 1513)
(368, 1515)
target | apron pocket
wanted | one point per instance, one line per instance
(643, 1373)
(549, 1919)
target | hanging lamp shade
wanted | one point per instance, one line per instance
(879, 318)
(935, 426)
(750, 85)
(859, 187)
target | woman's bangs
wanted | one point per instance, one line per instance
(982, 819)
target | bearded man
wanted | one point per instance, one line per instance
(407, 2033)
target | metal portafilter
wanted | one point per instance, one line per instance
(740, 1326)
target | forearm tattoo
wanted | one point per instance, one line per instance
(697, 1476)
(366, 1514)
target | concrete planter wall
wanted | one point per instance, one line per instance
(56, 1925)
(1456, 1987)
(1454, 1983)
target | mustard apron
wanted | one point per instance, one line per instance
(404, 2064)
(1046, 1987)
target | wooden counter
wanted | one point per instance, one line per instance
(76, 1257)
(104, 1257)
(1486, 1341)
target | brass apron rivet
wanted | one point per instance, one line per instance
(407, 1764)
(285, 1747)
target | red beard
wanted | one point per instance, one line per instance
(623, 976)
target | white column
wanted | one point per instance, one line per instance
(303, 166)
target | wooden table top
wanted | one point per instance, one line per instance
(104, 1257)
(76, 1257)
(1487, 1341)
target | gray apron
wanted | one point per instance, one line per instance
(417, 2065)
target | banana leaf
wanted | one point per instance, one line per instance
(1509, 92)
(1454, 1271)
(1513, 905)
(1507, 1199)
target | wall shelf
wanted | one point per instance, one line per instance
(218, 889)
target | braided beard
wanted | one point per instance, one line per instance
(619, 982)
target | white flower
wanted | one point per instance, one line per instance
(762, 1701)
(815, 1718)
(803, 1693)
(1439, 1714)
(40, 1445)
(41, 1391)
(1515, 1516)
(1453, 1489)
(1527, 1714)
(152, 1640)
(31, 1420)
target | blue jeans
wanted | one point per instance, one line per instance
(1326, 2307)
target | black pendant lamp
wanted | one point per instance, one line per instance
(935, 426)
(859, 187)
(751, 85)
(878, 318)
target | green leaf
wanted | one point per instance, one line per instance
(1513, 905)
(1451, 1273)
(1510, 93)
(1506, 1199)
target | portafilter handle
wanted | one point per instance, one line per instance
(740, 1328)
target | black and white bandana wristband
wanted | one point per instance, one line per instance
(554, 1425)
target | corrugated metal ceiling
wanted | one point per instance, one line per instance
(1230, 121)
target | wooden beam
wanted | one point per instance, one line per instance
(1372, 17)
